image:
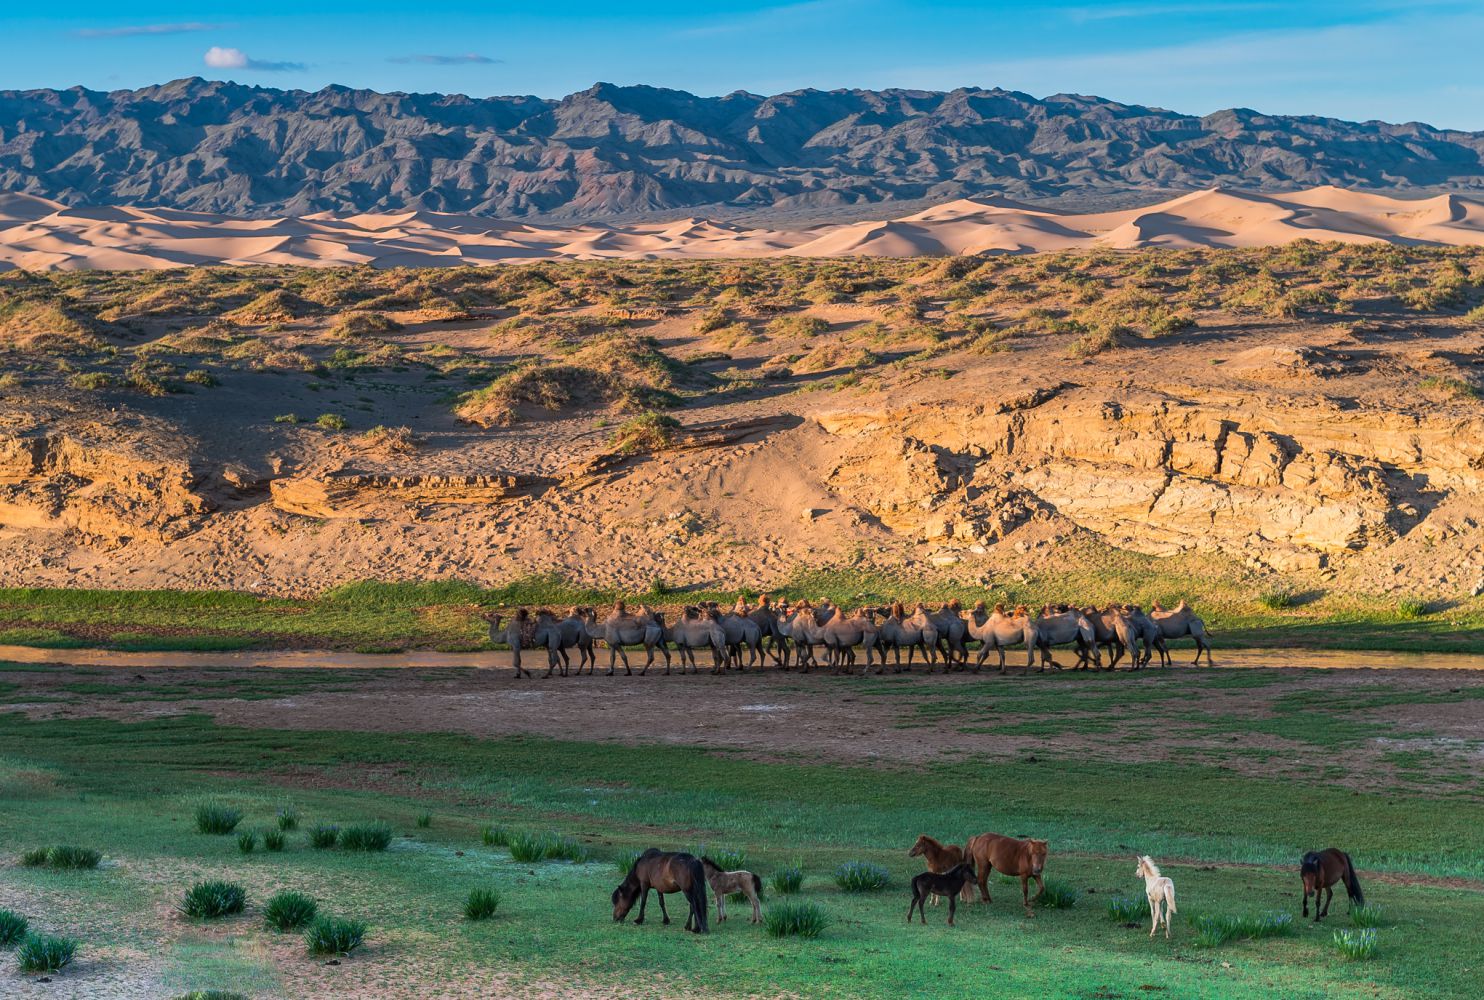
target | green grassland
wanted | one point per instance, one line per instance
(1229, 838)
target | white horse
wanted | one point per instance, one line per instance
(1160, 890)
(724, 884)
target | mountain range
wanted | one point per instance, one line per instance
(625, 152)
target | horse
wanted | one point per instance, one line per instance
(1160, 890)
(1025, 859)
(723, 883)
(940, 858)
(663, 872)
(1320, 870)
(951, 883)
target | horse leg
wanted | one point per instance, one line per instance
(1306, 899)
(952, 908)
(1153, 914)
(983, 879)
(1329, 897)
(644, 903)
(663, 912)
(1025, 894)
(721, 905)
(757, 911)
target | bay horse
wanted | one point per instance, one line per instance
(941, 858)
(951, 883)
(1320, 870)
(724, 883)
(1024, 859)
(664, 872)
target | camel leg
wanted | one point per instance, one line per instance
(515, 657)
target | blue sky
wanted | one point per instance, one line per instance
(1398, 60)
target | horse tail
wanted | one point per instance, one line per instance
(757, 884)
(1170, 898)
(1352, 884)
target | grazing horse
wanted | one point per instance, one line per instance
(1177, 624)
(1160, 891)
(724, 883)
(1024, 859)
(940, 858)
(663, 872)
(1320, 870)
(951, 883)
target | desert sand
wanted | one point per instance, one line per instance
(37, 234)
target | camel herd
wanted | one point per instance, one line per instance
(809, 634)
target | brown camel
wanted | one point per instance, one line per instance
(1178, 623)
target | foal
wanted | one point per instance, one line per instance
(1159, 890)
(940, 858)
(724, 883)
(949, 883)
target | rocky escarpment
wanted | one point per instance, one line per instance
(1279, 483)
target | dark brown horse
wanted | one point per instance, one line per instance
(1320, 870)
(1024, 859)
(663, 872)
(950, 883)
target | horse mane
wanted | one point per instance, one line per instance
(711, 866)
(1148, 863)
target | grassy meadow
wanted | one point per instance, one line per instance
(1229, 835)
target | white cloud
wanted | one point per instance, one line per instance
(218, 57)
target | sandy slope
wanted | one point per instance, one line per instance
(43, 235)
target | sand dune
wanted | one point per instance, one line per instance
(39, 234)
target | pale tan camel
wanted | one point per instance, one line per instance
(1179, 623)
(1000, 629)
(900, 631)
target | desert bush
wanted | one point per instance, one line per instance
(30, 325)
(1126, 909)
(1411, 607)
(212, 899)
(862, 876)
(389, 440)
(334, 935)
(331, 422)
(1276, 598)
(1058, 895)
(92, 381)
(787, 880)
(643, 434)
(798, 326)
(12, 928)
(288, 911)
(1369, 915)
(1095, 342)
(1356, 945)
(323, 835)
(712, 320)
(247, 841)
(273, 840)
(286, 418)
(41, 953)
(795, 918)
(276, 306)
(211, 995)
(1451, 388)
(364, 324)
(200, 376)
(481, 904)
(366, 837)
(217, 818)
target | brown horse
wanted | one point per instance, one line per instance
(663, 872)
(951, 883)
(1008, 856)
(1320, 870)
(940, 858)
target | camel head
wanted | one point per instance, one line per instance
(897, 611)
(979, 607)
(620, 608)
(765, 601)
(953, 606)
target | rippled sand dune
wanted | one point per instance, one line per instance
(38, 234)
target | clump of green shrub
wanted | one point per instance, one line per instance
(334, 935)
(366, 837)
(41, 953)
(495, 836)
(481, 904)
(217, 818)
(787, 880)
(648, 432)
(323, 835)
(288, 911)
(1411, 607)
(331, 422)
(1356, 945)
(625, 862)
(795, 918)
(1057, 895)
(212, 995)
(35, 857)
(1276, 598)
(725, 858)
(12, 928)
(862, 876)
(273, 840)
(212, 899)
(247, 841)
(288, 818)
(64, 857)
(530, 847)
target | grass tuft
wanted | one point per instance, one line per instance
(216, 818)
(495, 836)
(1214, 931)
(532, 847)
(324, 835)
(481, 904)
(35, 857)
(334, 936)
(424, 820)
(1058, 895)
(626, 861)
(12, 928)
(862, 876)
(247, 841)
(288, 818)
(366, 837)
(795, 918)
(213, 899)
(1126, 909)
(288, 911)
(273, 840)
(1356, 945)
(787, 880)
(64, 857)
(41, 953)
(211, 995)
(1369, 915)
